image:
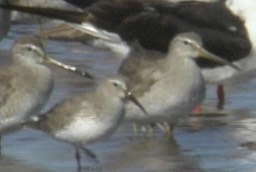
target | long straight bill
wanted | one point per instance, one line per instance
(69, 68)
(136, 102)
(206, 54)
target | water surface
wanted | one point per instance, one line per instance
(222, 141)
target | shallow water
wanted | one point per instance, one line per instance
(221, 141)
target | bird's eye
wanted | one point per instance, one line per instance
(115, 84)
(30, 48)
(186, 42)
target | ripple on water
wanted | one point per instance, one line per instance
(211, 144)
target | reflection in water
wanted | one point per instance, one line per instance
(149, 154)
(9, 164)
(216, 142)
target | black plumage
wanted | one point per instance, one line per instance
(154, 23)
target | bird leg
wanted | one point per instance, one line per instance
(151, 129)
(78, 158)
(221, 96)
(90, 154)
(0, 145)
(162, 127)
(135, 128)
(169, 129)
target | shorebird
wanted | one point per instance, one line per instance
(26, 83)
(168, 85)
(87, 117)
(154, 23)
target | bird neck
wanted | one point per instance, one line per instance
(110, 101)
(178, 60)
(20, 60)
